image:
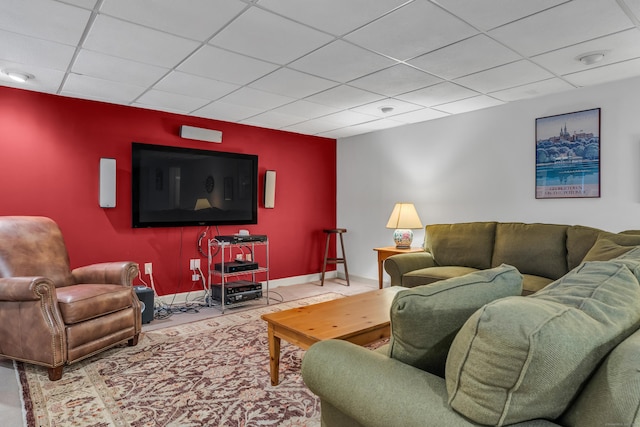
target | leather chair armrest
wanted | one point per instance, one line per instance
(398, 265)
(116, 273)
(26, 289)
(37, 334)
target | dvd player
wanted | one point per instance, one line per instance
(241, 238)
(238, 291)
(236, 266)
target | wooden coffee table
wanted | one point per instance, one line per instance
(360, 319)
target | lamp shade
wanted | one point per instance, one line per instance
(202, 204)
(404, 216)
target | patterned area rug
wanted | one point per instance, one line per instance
(211, 372)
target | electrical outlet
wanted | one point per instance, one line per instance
(148, 268)
(194, 263)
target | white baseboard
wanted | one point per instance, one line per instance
(181, 298)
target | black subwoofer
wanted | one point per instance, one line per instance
(145, 295)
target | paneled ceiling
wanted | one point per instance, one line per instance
(317, 67)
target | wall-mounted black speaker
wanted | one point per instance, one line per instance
(145, 295)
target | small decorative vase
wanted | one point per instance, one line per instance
(403, 238)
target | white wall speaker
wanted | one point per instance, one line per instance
(200, 134)
(107, 183)
(270, 189)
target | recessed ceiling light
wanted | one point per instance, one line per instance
(17, 76)
(386, 109)
(591, 58)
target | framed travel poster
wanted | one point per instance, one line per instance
(568, 155)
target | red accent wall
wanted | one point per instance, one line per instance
(50, 148)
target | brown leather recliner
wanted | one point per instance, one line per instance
(51, 315)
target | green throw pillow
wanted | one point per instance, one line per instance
(522, 358)
(425, 319)
(609, 246)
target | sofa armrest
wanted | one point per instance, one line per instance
(116, 273)
(397, 265)
(375, 390)
(361, 387)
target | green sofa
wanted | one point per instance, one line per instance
(462, 353)
(541, 252)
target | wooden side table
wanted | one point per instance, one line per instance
(386, 252)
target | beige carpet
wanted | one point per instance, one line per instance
(212, 372)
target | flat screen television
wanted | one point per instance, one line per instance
(173, 187)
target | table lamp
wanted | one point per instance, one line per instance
(403, 218)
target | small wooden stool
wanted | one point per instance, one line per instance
(342, 260)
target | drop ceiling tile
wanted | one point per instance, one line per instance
(306, 109)
(395, 80)
(605, 74)
(87, 4)
(505, 76)
(340, 133)
(34, 51)
(256, 98)
(214, 63)
(563, 25)
(344, 97)
(362, 128)
(286, 81)
(348, 118)
(417, 28)
(174, 101)
(617, 47)
(438, 94)
(44, 19)
(273, 120)
(333, 16)
(374, 108)
(44, 79)
(264, 35)
(545, 87)
(195, 86)
(100, 90)
(634, 7)
(107, 67)
(342, 62)
(488, 14)
(123, 39)
(465, 57)
(198, 20)
(469, 104)
(313, 127)
(229, 112)
(420, 115)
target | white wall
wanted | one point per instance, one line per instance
(480, 166)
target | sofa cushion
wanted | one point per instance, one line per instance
(425, 319)
(579, 240)
(425, 276)
(609, 246)
(532, 284)
(538, 249)
(79, 303)
(463, 244)
(612, 395)
(521, 358)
